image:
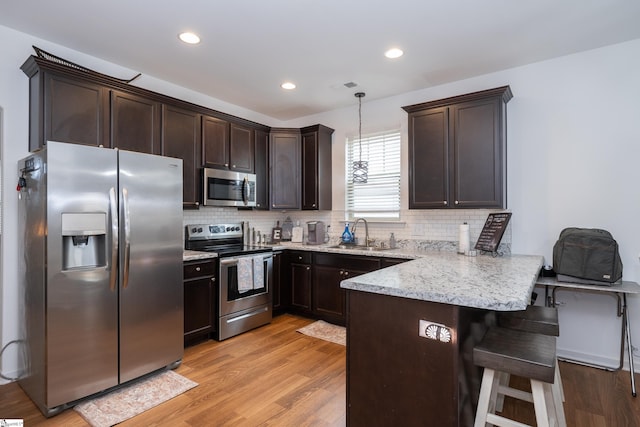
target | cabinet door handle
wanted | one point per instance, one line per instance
(444, 203)
(233, 166)
(346, 273)
(213, 279)
(197, 268)
(313, 205)
(299, 258)
(226, 165)
(456, 202)
(308, 268)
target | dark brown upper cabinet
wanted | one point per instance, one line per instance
(457, 151)
(65, 108)
(135, 123)
(261, 151)
(227, 145)
(284, 169)
(241, 148)
(215, 142)
(181, 139)
(316, 167)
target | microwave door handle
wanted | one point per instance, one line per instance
(246, 191)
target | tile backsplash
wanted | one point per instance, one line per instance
(414, 228)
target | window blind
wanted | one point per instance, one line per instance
(379, 197)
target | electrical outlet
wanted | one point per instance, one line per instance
(417, 229)
(434, 331)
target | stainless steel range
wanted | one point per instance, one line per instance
(244, 276)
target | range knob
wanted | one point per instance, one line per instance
(237, 228)
(199, 229)
(229, 228)
(193, 230)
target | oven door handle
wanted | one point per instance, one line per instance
(228, 261)
(234, 260)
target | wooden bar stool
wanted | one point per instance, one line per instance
(536, 319)
(528, 355)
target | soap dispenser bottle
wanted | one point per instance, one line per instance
(392, 241)
(347, 237)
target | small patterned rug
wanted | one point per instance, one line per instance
(326, 331)
(129, 401)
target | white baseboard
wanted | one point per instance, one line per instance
(608, 363)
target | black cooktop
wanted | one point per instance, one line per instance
(224, 239)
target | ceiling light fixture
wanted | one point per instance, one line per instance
(360, 168)
(394, 53)
(288, 85)
(189, 38)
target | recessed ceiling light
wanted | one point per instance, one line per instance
(394, 53)
(288, 85)
(190, 38)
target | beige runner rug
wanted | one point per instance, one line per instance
(326, 331)
(129, 401)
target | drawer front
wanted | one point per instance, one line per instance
(199, 268)
(351, 262)
(300, 257)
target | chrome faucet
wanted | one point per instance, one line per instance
(366, 230)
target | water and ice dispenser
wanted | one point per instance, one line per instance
(84, 240)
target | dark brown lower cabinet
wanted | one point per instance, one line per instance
(328, 271)
(279, 284)
(300, 281)
(397, 378)
(309, 282)
(200, 293)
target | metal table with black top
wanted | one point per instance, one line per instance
(620, 291)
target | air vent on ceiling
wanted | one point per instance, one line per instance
(350, 84)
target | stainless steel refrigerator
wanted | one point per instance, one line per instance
(101, 276)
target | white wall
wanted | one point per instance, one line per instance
(573, 149)
(573, 160)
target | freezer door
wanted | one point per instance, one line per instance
(81, 304)
(151, 292)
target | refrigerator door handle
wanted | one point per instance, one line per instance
(127, 237)
(113, 212)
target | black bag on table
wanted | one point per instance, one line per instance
(587, 255)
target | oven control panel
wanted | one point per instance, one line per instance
(213, 231)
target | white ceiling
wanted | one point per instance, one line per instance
(249, 47)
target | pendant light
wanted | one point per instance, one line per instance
(360, 168)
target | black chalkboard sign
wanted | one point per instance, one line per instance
(492, 232)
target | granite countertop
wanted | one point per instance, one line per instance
(194, 255)
(500, 283)
(332, 249)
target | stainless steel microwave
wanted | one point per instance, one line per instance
(227, 188)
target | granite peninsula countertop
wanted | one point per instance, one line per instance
(494, 283)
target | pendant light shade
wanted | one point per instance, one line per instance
(360, 168)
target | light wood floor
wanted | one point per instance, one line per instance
(274, 376)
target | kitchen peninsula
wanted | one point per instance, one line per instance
(395, 376)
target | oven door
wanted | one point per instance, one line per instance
(226, 188)
(240, 289)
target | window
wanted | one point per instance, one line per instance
(379, 197)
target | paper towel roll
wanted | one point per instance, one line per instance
(463, 239)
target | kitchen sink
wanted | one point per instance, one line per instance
(360, 248)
